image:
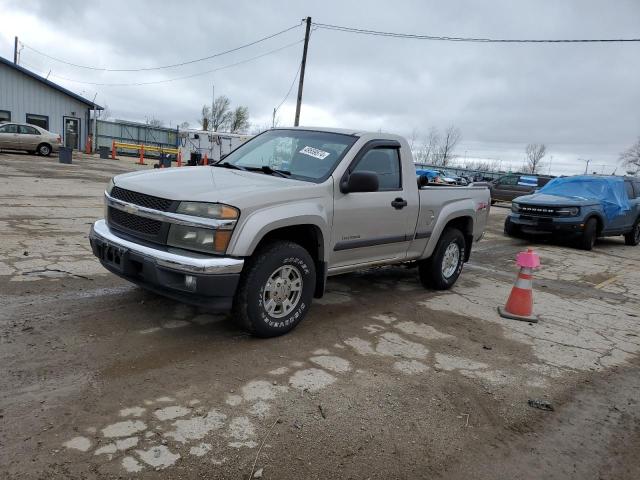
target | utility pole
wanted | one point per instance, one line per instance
(15, 50)
(586, 168)
(273, 118)
(302, 67)
(213, 102)
(550, 162)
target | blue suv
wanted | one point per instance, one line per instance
(585, 206)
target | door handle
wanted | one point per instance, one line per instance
(399, 203)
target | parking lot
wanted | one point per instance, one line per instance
(383, 379)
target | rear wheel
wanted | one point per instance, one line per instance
(44, 149)
(632, 238)
(588, 238)
(443, 268)
(275, 290)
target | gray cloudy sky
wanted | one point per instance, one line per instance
(582, 100)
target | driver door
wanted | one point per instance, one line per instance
(367, 227)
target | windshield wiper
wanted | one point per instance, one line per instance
(229, 165)
(275, 171)
(270, 171)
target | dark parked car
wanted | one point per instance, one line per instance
(508, 187)
(586, 206)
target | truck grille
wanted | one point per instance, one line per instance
(537, 211)
(144, 200)
(133, 223)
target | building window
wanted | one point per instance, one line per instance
(41, 121)
(5, 116)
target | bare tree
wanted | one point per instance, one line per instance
(205, 115)
(154, 122)
(483, 165)
(183, 125)
(221, 114)
(631, 157)
(105, 113)
(446, 147)
(239, 120)
(431, 145)
(535, 153)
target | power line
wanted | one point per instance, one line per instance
(188, 62)
(362, 31)
(290, 88)
(136, 84)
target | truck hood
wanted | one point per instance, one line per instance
(554, 200)
(217, 185)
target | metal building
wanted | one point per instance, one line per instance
(26, 97)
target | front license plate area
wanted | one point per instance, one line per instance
(112, 255)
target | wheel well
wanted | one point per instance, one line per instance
(465, 225)
(308, 237)
(599, 223)
(43, 143)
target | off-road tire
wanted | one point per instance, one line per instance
(431, 270)
(510, 229)
(44, 149)
(632, 238)
(588, 238)
(248, 308)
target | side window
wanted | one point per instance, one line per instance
(385, 162)
(629, 187)
(636, 187)
(542, 181)
(508, 180)
(25, 129)
(9, 129)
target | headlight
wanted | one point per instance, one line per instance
(110, 186)
(199, 239)
(515, 207)
(208, 210)
(208, 240)
(568, 211)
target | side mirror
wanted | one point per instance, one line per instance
(359, 182)
(423, 181)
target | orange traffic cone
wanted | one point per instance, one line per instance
(206, 159)
(520, 303)
(141, 161)
(179, 158)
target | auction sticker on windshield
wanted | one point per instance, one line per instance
(315, 152)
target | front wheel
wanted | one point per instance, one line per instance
(632, 238)
(588, 238)
(443, 268)
(510, 228)
(275, 290)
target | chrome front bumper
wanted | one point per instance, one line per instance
(172, 258)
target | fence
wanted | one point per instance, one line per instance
(106, 132)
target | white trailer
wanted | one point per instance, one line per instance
(214, 144)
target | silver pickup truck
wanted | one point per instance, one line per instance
(260, 231)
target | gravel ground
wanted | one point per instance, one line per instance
(383, 379)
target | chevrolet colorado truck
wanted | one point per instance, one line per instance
(260, 231)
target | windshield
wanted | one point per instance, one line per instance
(301, 154)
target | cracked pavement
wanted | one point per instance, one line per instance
(383, 379)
